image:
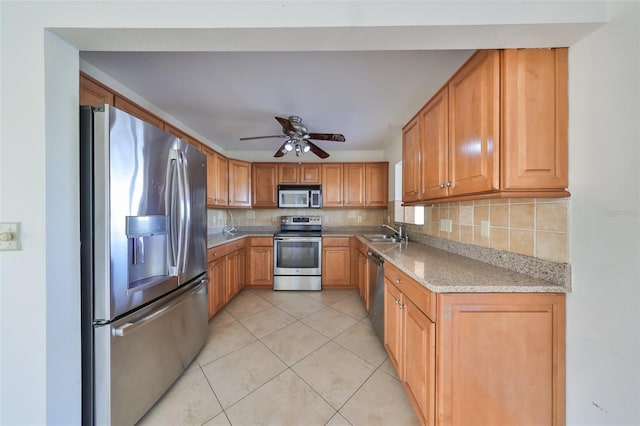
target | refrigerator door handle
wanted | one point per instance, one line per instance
(131, 327)
(187, 212)
(173, 243)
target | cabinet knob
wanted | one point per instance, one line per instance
(441, 185)
(397, 280)
(415, 191)
(448, 184)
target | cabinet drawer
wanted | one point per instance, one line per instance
(217, 252)
(261, 241)
(236, 245)
(419, 295)
(336, 241)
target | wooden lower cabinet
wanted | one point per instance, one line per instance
(260, 262)
(336, 262)
(217, 285)
(500, 357)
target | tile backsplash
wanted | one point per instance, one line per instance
(533, 227)
(271, 217)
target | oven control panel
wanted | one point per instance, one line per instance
(301, 220)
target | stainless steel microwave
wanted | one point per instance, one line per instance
(299, 196)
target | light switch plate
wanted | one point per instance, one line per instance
(359, 219)
(11, 231)
(446, 225)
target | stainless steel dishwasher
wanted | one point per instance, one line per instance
(376, 292)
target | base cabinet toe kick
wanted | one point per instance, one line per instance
(476, 358)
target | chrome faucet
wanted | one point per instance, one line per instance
(399, 233)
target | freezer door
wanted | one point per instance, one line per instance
(138, 357)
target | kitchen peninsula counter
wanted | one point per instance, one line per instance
(444, 272)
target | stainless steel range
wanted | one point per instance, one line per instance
(297, 252)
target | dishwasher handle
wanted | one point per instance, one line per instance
(375, 258)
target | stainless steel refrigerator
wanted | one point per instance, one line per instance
(143, 263)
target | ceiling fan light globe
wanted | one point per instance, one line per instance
(306, 148)
(288, 146)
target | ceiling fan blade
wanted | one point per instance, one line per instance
(333, 137)
(280, 151)
(317, 150)
(286, 124)
(262, 137)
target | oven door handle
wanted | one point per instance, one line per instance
(298, 239)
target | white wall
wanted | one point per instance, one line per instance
(603, 312)
(39, 285)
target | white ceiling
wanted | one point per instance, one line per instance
(224, 96)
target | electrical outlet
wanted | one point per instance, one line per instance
(9, 236)
(359, 219)
(484, 228)
(446, 225)
(326, 218)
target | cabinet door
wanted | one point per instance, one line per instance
(222, 180)
(288, 173)
(242, 272)
(534, 118)
(474, 112)
(234, 265)
(239, 183)
(137, 111)
(264, 178)
(411, 161)
(354, 185)
(332, 185)
(376, 185)
(336, 266)
(311, 173)
(393, 326)
(261, 266)
(501, 359)
(419, 361)
(434, 125)
(94, 94)
(211, 176)
(217, 285)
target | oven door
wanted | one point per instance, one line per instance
(297, 256)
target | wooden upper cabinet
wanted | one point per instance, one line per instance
(474, 117)
(94, 94)
(332, 185)
(434, 123)
(411, 164)
(182, 135)
(217, 178)
(534, 119)
(239, 183)
(302, 174)
(376, 178)
(288, 173)
(264, 183)
(354, 184)
(137, 111)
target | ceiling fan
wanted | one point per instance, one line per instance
(297, 138)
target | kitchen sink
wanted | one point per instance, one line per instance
(381, 238)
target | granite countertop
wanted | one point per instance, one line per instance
(444, 272)
(438, 270)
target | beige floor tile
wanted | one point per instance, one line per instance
(362, 340)
(352, 306)
(222, 340)
(380, 401)
(276, 297)
(334, 373)
(267, 321)
(219, 420)
(329, 297)
(338, 420)
(283, 401)
(329, 322)
(294, 342)
(245, 306)
(237, 374)
(388, 368)
(221, 318)
(300, 306)
(190, 401)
